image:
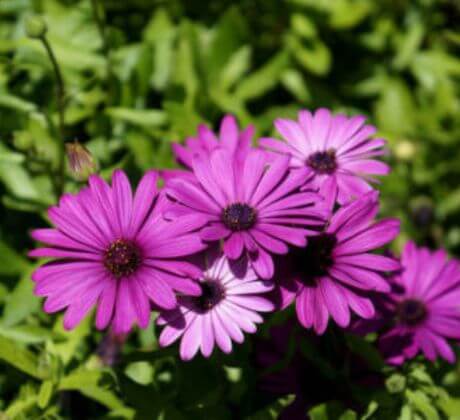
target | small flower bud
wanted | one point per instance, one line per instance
(81, 161)
(35, 27)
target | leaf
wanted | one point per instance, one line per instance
(303, 26)
(45, 393)
(27, 334)
(139, 117)
(238, 65)
(16, 103)
(20, 358)
(294, 81)
(263, 79)
(11, 263)
(273, 410)
(227, 38)
(314, 56)
(10, 157)
(346, 14)
(72, 340)
(395, 109)
(21, 301)
(140, 372)
(366, 350)
(161, 32)
(409, 45)
(422, 404)
(88, 383)
(185, 66)
(17, 181)
(395, 383)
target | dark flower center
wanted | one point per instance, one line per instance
(315, 260)
(239, 216)
(122, 258)
(411, 312)
(323, 162)
(212, 292)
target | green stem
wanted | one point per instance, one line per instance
(60, 96)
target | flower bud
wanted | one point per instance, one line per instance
(81, 161)
(35, 27)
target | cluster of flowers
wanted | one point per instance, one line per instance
(244, 229)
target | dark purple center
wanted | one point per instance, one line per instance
(315, 260)
(239, 216)
(122, 258)
(212, 292)
(411, 312)
(323, 162)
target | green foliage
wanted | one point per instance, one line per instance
(154, 72)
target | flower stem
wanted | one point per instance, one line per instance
(60, 97)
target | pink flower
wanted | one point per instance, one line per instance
(113, 250)
(227, 307)
(422, 312)
(337, 150)
(336, 271)
(251, 205)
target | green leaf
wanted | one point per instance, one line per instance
(409, 45)
(227, 38)
(263, 79)
(11, 263)
(395, 383)
(420, 402)
(238, 65)
(18, 181)
(294, 81)
(45, 393)
(273, 410)
(303, 26)
(161, 32)
(27, 334)
(395, 109)
(366, 350)
(21, 302)
(346, 14)
(10, 157)
(140, 372)
(67, 348)
(20, 358)
(16, 103)
(139, 117)
(314, 56)
(88, 382)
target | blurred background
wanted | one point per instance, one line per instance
(140, 74)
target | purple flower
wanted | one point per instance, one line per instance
(115, 251)
(230, 138)
(249, 204)
(422, 311)
(227, 306)
(336, 149)
(336, 271)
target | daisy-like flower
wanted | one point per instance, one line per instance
(228, 305)
(422, 312)
(336, 149)
(114, 250)
(206, 141)
(249, 204)
(336, 271)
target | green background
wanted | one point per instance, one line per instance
(146, 76)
